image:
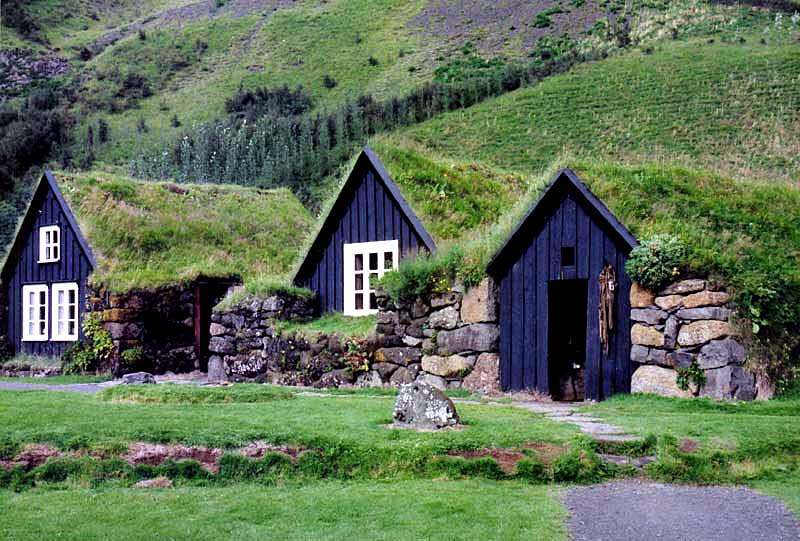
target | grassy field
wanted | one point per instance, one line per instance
(147, 234)
(355, 422)
(728, 107)
(363, 510)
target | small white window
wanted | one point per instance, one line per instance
(49, 244)
(65, 312)
(365, 262)
(34, 313)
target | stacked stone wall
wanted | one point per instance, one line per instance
(687, 323)
(160, 321)
(448, 340)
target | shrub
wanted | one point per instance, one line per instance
(532, 470)
(329, 81)
(422, 276)
(579, 465)
(656, 261)
(95, 349)
(263, 101)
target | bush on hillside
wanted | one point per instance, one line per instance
(264, 101)
(657, 261)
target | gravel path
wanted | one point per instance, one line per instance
(632, 510)
(69, 387)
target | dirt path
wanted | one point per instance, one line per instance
(633, 511)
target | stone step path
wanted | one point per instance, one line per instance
(593, 427)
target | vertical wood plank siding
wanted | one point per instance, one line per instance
(364, 212)
(74, 266)
(566, 222)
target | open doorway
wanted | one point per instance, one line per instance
(567, 338)
(207, 293)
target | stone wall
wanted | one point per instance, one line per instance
(247, 345)
(160, 321)
(448, 340)
(687, 322)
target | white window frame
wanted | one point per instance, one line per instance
(364, 249)
(38, 334)
(61, 321)
(49, 244)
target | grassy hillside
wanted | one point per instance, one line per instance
(734, 108)
(148, 234)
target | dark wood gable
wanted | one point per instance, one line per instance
(21, 267)
(560, 249)
(368, 208)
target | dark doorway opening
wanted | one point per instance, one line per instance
(567, 338)
(207, 293)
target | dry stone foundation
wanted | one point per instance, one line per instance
(447, 340)
(687, 323)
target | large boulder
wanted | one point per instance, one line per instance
(476, 337)
(651, 316)
(138, 378)
(485, 376)
(684, 286)
(705, 298)
(651, 379)
(641, 297)
(423, 407)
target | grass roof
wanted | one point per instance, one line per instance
(147, 234)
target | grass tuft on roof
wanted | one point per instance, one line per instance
(153, 234)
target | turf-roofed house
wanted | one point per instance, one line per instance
(368, 230)
(564, 307)
(146, 261)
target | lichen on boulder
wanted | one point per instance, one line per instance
(423, 407)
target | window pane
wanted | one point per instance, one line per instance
(42, 327)
(72, 328)
(71, 311)
(388, 257)
(47, 252)
(43, 298)
(359, 301)
(60, 327)
(72, 296)
(359, 282)
(372, 303)
(373, 277)
(373, 261)
(359, 262)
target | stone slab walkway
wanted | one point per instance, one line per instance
(640, 511)
(593, 427)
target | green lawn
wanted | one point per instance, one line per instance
(353, 422)
(364, 510)
(721, 424)
(786, 488)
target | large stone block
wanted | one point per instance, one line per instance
(671, 332)
(445, 299)
(221, 345)
(683, 287)
(446, 318)
(448, 366)
(729, 382)
(651, 316)
(385, 370)
(434, 381)
(217, 330)
(476, 337)
(124, 331)
(708, 312)
(651, 379)
(216, 370)
(700, 332)
(485, 376)
(641, 297)
(479, 304)
(401, 376)
(705, 298)
(639, 353)
(399, 355)
(642, 335)
(719, 353)
(669, 302)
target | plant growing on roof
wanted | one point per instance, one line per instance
(656, 261)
